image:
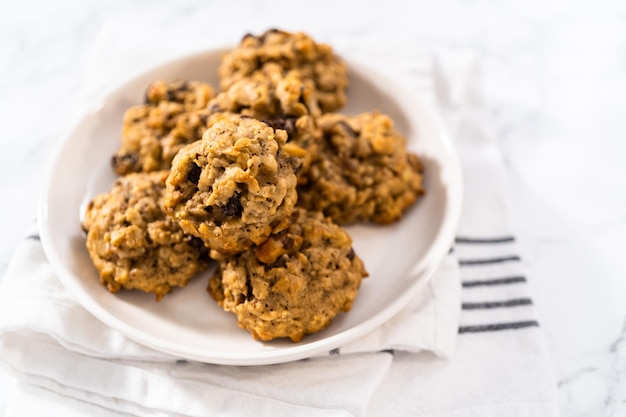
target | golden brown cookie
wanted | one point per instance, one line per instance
(363, 172)
(268, 93)
(174, 115)
(292, 51)
(293, 284)
(133, 244)
(192, 95)
(235, 186)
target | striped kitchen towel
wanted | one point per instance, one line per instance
(501, 366)
(495, 294)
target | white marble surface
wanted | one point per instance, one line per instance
(555, 82)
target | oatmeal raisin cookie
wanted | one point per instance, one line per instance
(174, 115)
(133, 244)
(292, 51)
(363, 172)
(268, 93)
(235, 186)
(293, 284)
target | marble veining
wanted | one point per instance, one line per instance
(597, 389)
(554, 88)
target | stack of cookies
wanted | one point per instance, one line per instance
(259, 177)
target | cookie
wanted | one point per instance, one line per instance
(192, 95)
(235, 186)
(133, 244)
(292, 51)
(269, 93)
(293, 284)
(174, 115)
(363, 172)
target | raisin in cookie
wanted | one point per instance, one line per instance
(293, 284)
(133, 244)
(174, 115)
(292, 51)
(363, 172)
(235, 186)
(268, 93)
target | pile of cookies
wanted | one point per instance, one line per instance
(258, 177)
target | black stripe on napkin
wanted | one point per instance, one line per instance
(486, 240)
(487, 261)
(494, 281)
(497, 304)
(498, 326)
(34, 236)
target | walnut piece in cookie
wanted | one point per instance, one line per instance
(133, 244)
(268, 93)
(363, 172)
(174, 115)
(235, 186)
(292, 51)
(293, 284)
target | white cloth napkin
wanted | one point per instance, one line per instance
(68, 363)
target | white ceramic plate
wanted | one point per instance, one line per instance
(188, 323)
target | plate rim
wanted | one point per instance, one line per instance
(436, 252)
